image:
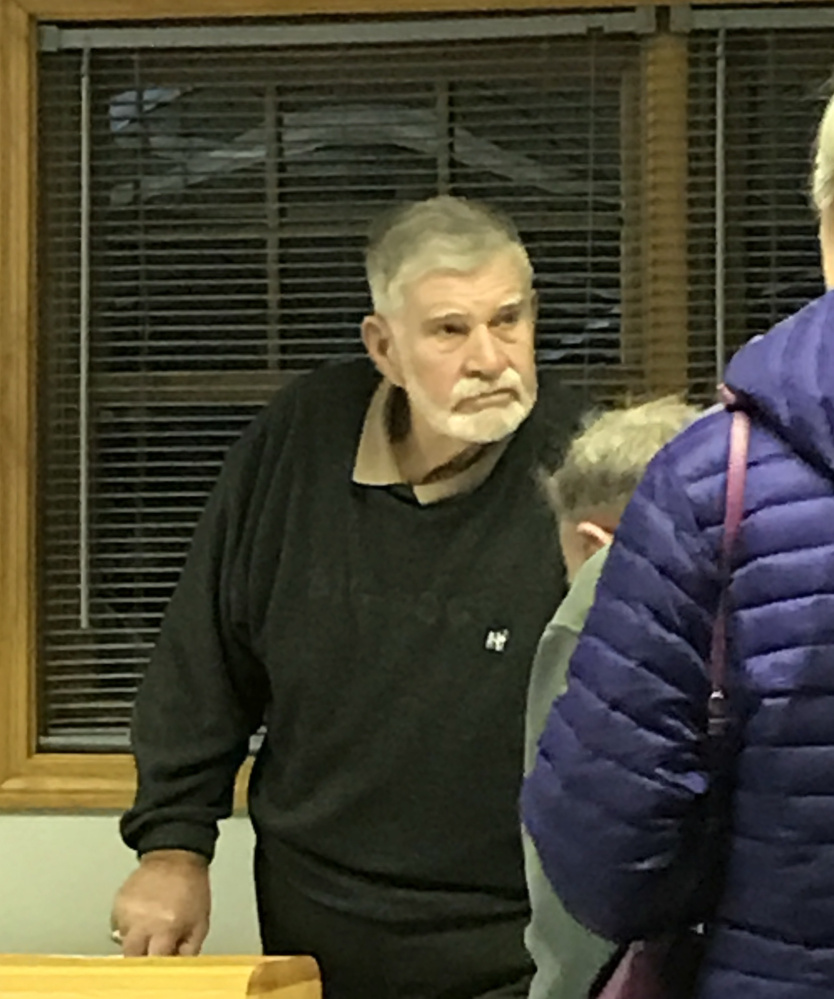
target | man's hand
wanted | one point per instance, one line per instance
(163, 908)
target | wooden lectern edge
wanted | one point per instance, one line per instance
(268, 972)
(277, 974)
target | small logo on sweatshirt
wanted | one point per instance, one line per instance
(496, 640)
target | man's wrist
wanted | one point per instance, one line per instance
(174, 857)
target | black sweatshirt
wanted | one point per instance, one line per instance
(386, 644)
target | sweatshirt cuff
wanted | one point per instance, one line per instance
(179, 836)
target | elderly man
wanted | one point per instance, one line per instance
(370, 579)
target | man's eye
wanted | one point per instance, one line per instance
(451, 329)
(508, 318)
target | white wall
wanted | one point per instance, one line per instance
(58, 875)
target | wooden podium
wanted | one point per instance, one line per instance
(158, 977)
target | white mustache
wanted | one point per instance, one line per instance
(471, 388)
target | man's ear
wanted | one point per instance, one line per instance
(593, 536)
(381, 348)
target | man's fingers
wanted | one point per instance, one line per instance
(192, 943)
(135, 943)
(163, 945)
(190, 947)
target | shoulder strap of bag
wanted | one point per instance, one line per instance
(734, 510)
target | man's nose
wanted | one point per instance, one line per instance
(484, 356)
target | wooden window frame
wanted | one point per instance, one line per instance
(33, 780)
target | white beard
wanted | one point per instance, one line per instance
(491, 424)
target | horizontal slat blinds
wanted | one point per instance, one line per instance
(229, 193)
(753, 201)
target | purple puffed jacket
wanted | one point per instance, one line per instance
(620, 774)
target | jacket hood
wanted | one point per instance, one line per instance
(788, 377)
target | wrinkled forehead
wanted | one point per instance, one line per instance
(499, 282)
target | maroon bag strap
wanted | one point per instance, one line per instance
(734, 510)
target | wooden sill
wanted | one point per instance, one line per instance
(77, 781)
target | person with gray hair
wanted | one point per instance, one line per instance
(368, 583)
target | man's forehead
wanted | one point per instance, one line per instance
(441, 310)
(439, 292)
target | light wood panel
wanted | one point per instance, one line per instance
(17, 390)
(159, 978)
(74, 781)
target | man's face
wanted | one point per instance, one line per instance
(463, 350)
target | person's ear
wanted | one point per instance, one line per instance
(593, 537)
(381, 347)
(826, 236)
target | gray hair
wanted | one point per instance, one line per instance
(442, 233)
(607, 460)
(822, 183)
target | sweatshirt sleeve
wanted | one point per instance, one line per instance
(204, 692)
(566, 956)
(620, 771)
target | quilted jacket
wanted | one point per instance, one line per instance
(615, 795)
